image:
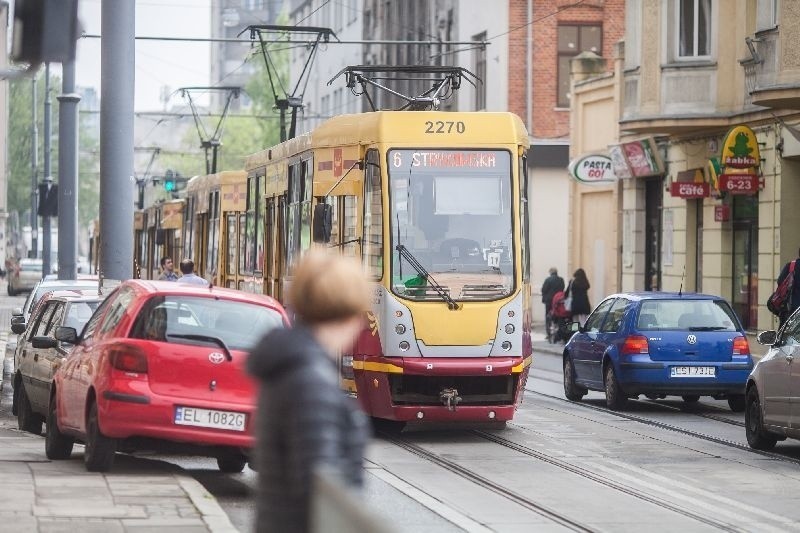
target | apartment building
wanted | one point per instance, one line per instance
(707, 96)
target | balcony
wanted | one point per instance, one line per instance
(773, 80)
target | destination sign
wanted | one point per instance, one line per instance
(444, 159)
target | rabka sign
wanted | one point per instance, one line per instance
(592, 169)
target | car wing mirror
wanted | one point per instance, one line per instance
(43, 342)
(767, 338)
(18, 328)
(17, 319)
(575, 327)
(67, 334)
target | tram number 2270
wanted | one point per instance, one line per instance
(444, 126)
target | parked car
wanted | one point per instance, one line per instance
(659, 344)
(39, 353)
(24, 275)
(773, 388)
(161, 366)
(22, 314)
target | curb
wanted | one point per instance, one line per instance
(211, 512)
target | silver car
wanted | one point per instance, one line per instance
(24, 276)
(772, 401)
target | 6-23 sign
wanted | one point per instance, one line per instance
(444, 126)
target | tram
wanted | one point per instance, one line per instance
(435, 206)
(156, 233)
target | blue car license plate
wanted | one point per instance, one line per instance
(692, 372)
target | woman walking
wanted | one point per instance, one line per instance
(578, 290)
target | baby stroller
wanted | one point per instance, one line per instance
(560, 319)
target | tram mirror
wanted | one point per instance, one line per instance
(323, 222)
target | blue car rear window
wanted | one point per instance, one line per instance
(686, 314)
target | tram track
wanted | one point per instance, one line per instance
(669, 427)
(486, 483)
(716, 418)
(604, 480)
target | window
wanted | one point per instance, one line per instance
(373, 217)
(572, 40)
(524, 229)
(117, 309)
(479, 68)
(44, 320)
(212, 251)
(232, 245)
(694, 28)
(766, 14)
(596, 319)
(615, 316)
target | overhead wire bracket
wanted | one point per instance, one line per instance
(214, 141)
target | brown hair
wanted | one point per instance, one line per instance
(328, 287)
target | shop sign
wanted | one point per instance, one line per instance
(740, 149)
(739, 183)
(722, 213)
(687, 190)
(637, 159)
(592, 169)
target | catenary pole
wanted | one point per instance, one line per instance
(68, 174)
(117, 60)
(34, 220)
(47, 244)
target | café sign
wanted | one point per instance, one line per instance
(688, 190)
(592, 169)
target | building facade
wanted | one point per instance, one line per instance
(708, 104)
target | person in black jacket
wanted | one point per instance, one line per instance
(550, 287)
(579, 290)
(304, 420)
(794, 297)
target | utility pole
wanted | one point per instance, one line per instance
(34, 220)
(68, 174)
(117, 60)
(46, 236)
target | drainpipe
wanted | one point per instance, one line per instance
(529, 71)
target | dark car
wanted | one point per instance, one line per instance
(39, 354)
(659, 344)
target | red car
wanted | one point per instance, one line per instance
(160, 366)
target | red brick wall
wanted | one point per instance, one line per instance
(548, 123)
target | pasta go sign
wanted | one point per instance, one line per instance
(592, 169)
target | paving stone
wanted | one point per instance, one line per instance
(90, 509)
(80, 526)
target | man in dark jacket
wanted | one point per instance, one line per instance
(794, 298)
(550, 287)
(304, 421)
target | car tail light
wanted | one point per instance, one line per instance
(635, 344)
(128, 359)
(741, 346)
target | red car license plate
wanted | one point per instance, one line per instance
(209, 418)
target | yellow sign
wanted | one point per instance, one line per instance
(740, 151)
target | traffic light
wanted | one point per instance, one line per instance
(170, 182)
(45, 31)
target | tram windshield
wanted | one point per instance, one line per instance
(451, 224)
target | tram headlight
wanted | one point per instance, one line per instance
(509, 329)
(506, 345)
(399, 329)
(404, 346)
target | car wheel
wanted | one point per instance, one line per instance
(27, 420)
(757, 437)
(15, 397)
(615, 396)
(736, 403)
(691, 398)
(100, 450)
(572, 390)
(231, 464)
(57, 446)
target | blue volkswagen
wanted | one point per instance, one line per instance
(659, 344)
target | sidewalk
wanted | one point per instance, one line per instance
(138, 495)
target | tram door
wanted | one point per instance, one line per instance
(200, 244)
(231, 250)
(269, 255)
